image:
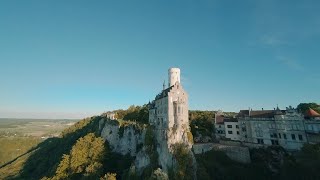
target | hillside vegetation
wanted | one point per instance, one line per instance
(78, 153)
(13, 147)
(133, 113)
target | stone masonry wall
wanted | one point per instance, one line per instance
(236, 153)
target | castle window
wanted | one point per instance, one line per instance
(274, 142)
(178, 109)
(174, 110)
(300, 137)
(260, 141)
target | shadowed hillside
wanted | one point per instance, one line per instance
(45, 159)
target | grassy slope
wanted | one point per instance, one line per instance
(12, 170)
(12, 147)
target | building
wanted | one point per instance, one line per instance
(312, 126)
(111, 115)
(232, 130)
(169, 114)
(220, 130)
(273, 127)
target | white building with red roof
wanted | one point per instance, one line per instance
(312, 126)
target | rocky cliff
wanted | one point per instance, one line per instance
(127, 137)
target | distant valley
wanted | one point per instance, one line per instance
(17, 136)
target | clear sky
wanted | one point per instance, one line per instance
(71, 59)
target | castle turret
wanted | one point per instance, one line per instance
(174, 76)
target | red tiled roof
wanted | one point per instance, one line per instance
(262, 114)
(219, 119)
(312, 113)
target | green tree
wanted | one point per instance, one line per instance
(158, 174)
(134, 113)
(63, 170)
(84, 161)
(87, 154)
(202, 122)
(309, 159)
(109, 176)
(184, 161)
(303, 107)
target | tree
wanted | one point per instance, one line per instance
(63, 170)
(184, 161)
(134, 113)
(158, 174)
(303, 107)
(109, 176)
(87, 154)
(85, 159)
(309, 157)
(202, 122)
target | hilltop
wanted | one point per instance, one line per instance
(124, 149)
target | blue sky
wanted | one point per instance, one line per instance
(71, 59)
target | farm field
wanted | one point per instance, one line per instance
(18, 136)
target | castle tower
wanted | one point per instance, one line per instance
(174, 76)
(169, 114)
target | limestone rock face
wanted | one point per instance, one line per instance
(127, 139)
(142, 160)
(123, 140)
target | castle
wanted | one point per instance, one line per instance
(168, 113)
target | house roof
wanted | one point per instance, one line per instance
(312, 113)
(164, 93)
(219, 119)
(260, 113)
(243, 113)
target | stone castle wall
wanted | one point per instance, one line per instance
(236, 153)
